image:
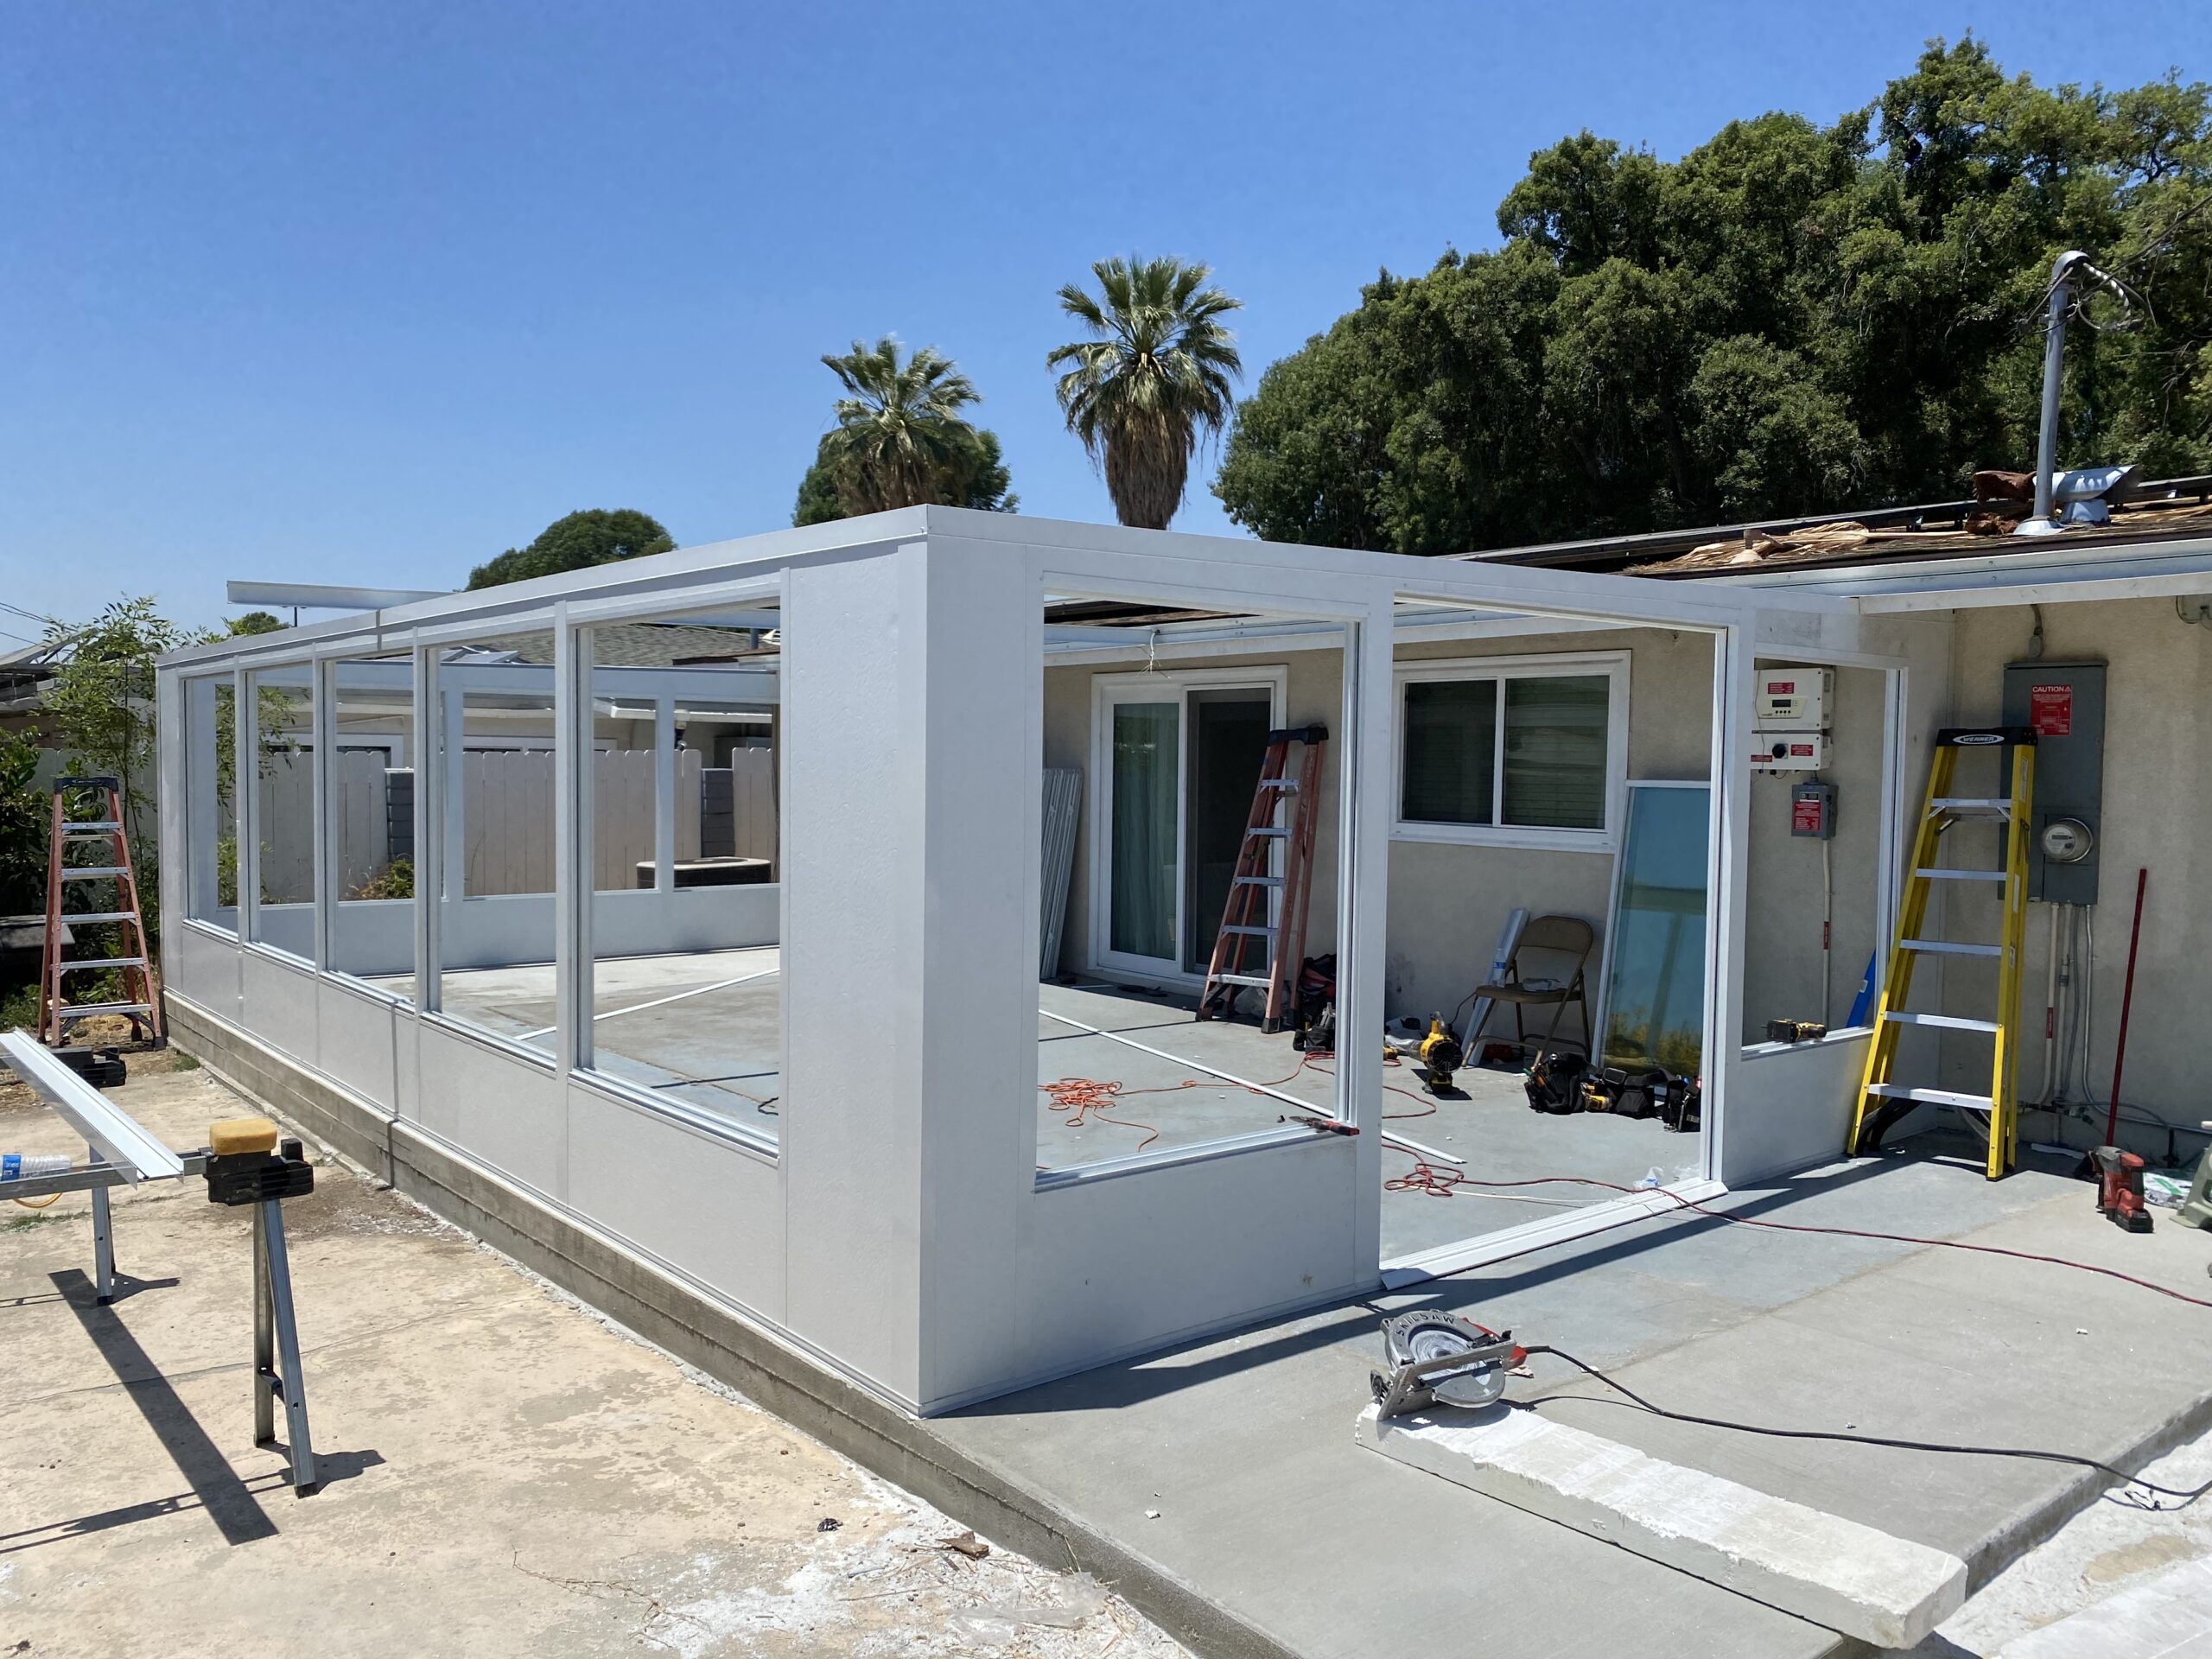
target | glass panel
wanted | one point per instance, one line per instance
(1229, 742)
(1655, 962)
(211, 817)
(372, 810)
(1147, 742)
(495, 933)
(284, 809)
(1556, 752)
(1163, 770)
(1450, 751)
(685, 985)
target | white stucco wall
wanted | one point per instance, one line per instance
(2158, 802)
(1447, 902)
(1783, 970)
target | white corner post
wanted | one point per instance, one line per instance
(910, 682)
(572, 865)
(1364, 770)
(184, 850)
(322, 678)
(429, 813)
(664, 793)
(1727, 881)
(246, 802)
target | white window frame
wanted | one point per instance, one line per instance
(1161, 685)
(1613, 666)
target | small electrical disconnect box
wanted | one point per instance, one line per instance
(1793, 699)
(1812, 810)
(1788, 751)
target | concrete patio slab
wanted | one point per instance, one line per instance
(1241, 1447)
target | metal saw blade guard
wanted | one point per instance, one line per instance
(1437, 1358)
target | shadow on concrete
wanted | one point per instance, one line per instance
(1157, 1374)
(330, 1466)
(126, 1286)
(229, 1502)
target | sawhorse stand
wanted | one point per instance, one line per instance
(247, 1169)
(276, 1374)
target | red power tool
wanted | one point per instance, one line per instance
(2120, 1188)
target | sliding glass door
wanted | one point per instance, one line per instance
(1178, 757)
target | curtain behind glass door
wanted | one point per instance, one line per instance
(1147, 756)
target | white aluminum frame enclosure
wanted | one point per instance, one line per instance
(898, 1230)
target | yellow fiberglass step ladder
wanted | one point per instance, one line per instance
(1245, 920)
(139, 1003)
(1882, 1101)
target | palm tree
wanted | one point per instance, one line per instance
(900, 435)
(1155, 373)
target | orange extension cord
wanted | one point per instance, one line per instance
(1084, 1098)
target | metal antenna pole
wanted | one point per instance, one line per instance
(2054, 359)
(2063, 270)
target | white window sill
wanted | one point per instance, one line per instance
(1495, 834)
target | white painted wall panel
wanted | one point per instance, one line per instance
(495, 1106)
(277, 1004)
(1116, 1267)
(355, 1042)
(708, 1209)
(204, 968)
(853, 907)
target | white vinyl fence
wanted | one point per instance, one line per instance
(506, 817)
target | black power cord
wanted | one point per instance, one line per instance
(1632, 1399)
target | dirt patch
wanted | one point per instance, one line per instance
(2141, 1555)
(343, 1205)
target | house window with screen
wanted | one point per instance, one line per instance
(1508, 753)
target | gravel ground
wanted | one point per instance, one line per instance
(513, 1474)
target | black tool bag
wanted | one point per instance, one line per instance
(1643, 1094)
(1317, 1035)
(1682, 1110)
(1554, 1083)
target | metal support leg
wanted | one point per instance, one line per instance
(266, 1385)
(103, 1243)
(274, 1305)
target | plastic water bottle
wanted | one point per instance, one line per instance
(1652, 1178)
(15, 1165)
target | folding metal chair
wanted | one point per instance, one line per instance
(1569, 940)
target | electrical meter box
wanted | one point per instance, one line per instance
(1788, 751)
(1793, 699)
(1812, 810)
(2065, 704)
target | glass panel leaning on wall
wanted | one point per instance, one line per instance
(686, 991)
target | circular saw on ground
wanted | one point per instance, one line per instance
(1437, 1358)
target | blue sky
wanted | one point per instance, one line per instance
(369, 292)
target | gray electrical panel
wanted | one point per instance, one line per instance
(2065, 704)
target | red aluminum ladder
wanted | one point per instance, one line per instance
(1245, 917)
(56, 1012)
